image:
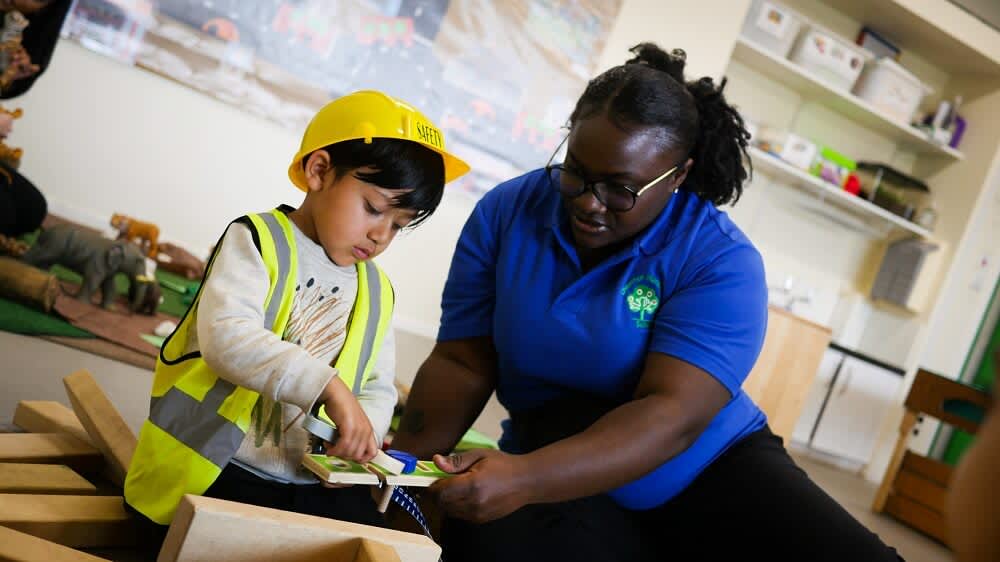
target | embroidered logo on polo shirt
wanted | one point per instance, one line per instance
(642, 298)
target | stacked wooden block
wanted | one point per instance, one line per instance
(50, 505)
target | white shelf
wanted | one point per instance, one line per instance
(776, 168)
(815, 88)
(934, 30)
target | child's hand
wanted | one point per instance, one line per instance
(355, 436)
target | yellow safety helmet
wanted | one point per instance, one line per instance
(368, 114)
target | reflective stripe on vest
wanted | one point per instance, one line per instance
(197, 420)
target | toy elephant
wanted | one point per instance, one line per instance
(95, 257)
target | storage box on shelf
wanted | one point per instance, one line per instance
(814, 88)
(773, 26)
(892, 89)
(894, 191)
(829, 57)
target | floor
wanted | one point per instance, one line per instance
(856, 494)
(33, 369)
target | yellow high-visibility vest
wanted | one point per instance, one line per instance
(197, 420)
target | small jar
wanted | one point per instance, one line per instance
(926, 218)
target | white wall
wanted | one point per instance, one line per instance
(101, 137)
(705, 29)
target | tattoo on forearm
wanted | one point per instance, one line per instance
(413, 422)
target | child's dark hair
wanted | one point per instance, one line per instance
(649, 90)
(397, 164)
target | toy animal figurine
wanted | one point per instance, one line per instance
(14, 24)
(95, 257)
(8, 155)
(14, 60)
(143, 234)
(152, 296)
(12, 246)
(175, 259)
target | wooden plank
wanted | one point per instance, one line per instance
(16, 546)
(786, 368)
(103, 423)
(48, 416)
(76, 521)
(935, 471)
(896, 461)
(917, 516)
(49, 448)
(373, 551)
(21, 478)
(921, 490)
(204, 527)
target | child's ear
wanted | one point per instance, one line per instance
(317, 167)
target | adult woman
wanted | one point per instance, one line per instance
(616, 312)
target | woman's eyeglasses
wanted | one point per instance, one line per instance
(615, 196)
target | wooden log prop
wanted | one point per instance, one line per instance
(30, 285)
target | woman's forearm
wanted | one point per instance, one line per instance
(625, 444)
(448, 394)
(673, 403)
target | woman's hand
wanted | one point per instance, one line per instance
(488, 484)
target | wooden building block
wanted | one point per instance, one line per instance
(76, 521)
(205, 527)
(16, 546)
(21, 478)
(103, 423)
(47, 416)
(49, 448)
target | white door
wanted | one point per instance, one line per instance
(859, 402)
(817, 393)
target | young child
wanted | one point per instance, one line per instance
(293, 315)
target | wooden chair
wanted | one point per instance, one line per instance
(914, 487)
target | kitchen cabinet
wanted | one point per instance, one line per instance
(855, 400)
(783, 374)
(828, 366)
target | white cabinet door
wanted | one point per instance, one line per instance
(859, 402)
(817, 393)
